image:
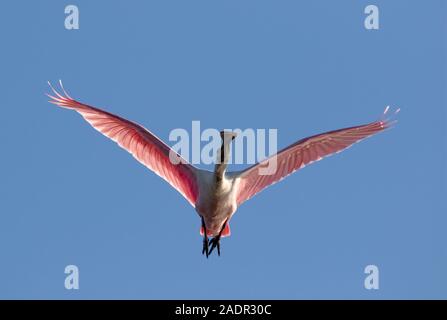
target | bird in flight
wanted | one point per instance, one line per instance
(217, 194)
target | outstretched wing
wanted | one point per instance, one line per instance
(140, 142)
(300, 154)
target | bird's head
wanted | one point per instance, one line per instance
(227, 136)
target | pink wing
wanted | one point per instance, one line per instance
(141, 143)
(302, 153)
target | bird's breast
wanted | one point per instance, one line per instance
(216, 203)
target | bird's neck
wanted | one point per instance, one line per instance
(222, 160)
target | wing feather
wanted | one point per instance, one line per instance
(140, 142)
(302, 153)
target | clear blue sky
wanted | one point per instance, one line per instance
(71, 196)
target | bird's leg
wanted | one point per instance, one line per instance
(205, 249)
(215, 242)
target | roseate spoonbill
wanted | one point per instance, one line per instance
(215, 195)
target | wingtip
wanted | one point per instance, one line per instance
(63, 89)
(58, 98)
(387, 120)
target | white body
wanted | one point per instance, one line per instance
(216, 202)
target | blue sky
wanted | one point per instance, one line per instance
(70, 196)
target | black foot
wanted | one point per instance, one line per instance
(205, 249)
(215, 242)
